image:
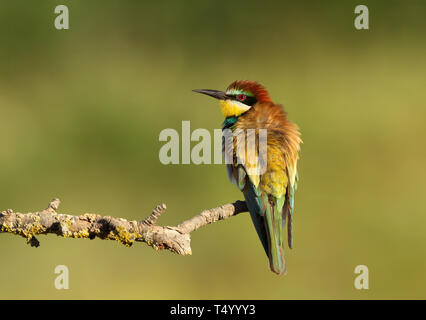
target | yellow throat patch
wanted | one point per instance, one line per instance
(231, 108)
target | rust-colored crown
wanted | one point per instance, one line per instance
(253, 87)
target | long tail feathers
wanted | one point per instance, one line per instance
(269, 221)
(273, 220)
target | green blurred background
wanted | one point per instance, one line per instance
(81, 111)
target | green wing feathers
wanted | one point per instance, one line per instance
(269, 214)
(289, 209)
(266, 212)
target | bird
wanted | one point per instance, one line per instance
(268, 185)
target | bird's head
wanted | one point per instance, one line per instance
(239, 97)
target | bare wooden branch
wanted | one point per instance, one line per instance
(156, 213)
(209, 216)
(176, 239)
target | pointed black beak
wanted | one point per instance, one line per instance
(213, 93)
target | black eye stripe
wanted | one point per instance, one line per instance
(250, 101)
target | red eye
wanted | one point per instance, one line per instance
(241, 97)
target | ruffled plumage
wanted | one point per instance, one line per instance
(269, 193)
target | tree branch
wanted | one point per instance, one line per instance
(176, 239)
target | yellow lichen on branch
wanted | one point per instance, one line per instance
(91, 226)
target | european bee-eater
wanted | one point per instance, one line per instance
(269, 194)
